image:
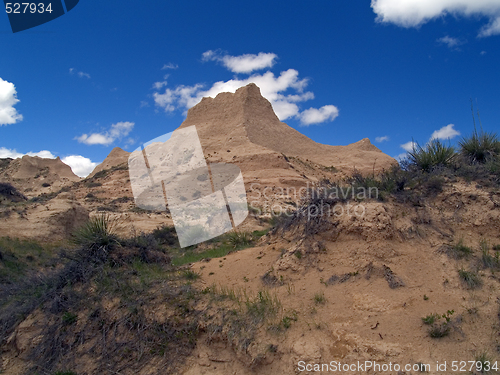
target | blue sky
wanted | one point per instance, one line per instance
(120, 73)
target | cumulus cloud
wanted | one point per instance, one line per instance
(450, 41)
(385, 138)
(413, 13)
(80, 165)
(117, 131)
(246, 63)
(315, 116)
(8, 99)
(283, 91)
(79, 74)
(446, 132)
(409, 146)
(13, 154)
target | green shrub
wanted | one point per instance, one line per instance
(459, 250)
(190, 275)
(238, 239)
(98, 235)
(470, 278)
(319, 298)
(433, 154)
(439, 327)
(480, 147)
(484, 363)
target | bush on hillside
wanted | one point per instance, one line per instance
(433, 154)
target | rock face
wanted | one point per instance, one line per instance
(244, 123)
(117, 156)
(33, 175)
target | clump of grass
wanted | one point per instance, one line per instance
(433, 154)
(484, 363)
(239, 239)
(459, 250)
(470, 278)
(97, 235)
(480, 146)
(263, 305)
(440, 325)
(488, 260)
(431, 318)
(190, 275)
(319, 298)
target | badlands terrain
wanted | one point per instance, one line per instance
(345, 257)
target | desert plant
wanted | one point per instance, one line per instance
(470, 278)
(319, 298)
(433, 154)
(480, 146)
(98, 235)
(459, 250)
(238, 239)
(190, 275)
(484, 363)
(438, 326)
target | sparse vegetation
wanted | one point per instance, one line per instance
(459, 250)
(131, 274)
(480, 146)
(440, 325)
(319, 298)
(433, 154)
(216, 247)
(484, 363)
(238, 239)
(471, 279)
(97, 236)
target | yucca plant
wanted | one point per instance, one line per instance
(97, 235)
(237, 239)
(481, 146)
(433, 154)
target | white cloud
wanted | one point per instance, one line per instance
(159, 85)
(8, 99)
(170, 66)
(385, 138)
(80, 165)
(13, 154)
(409, 146)
(283, 91)
(80, 74)
(413, 13)
(446, 132)
(117, 131)
(401, 157)
(246, 63)
(493, 28)
(450, 41)
(315, 116)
